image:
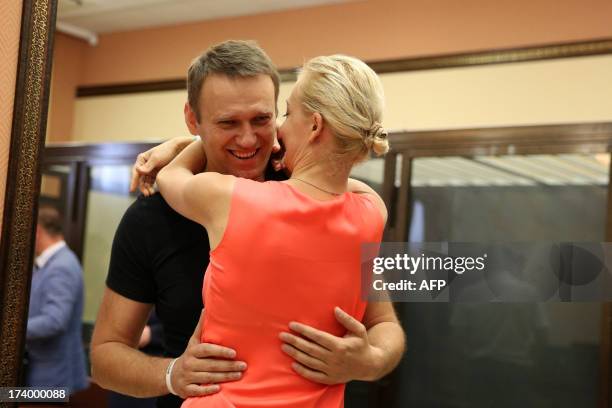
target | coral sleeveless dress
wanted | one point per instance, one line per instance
(284, 257)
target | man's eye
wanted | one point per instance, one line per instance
(262, 119)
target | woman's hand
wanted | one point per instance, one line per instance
(149, 163)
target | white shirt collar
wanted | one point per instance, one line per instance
(45, 255)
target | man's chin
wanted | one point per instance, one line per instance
(256, 173)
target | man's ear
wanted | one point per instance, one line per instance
(317, 127)
(191, 120)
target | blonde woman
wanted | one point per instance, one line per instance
(289, 251)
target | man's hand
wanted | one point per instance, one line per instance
(204, 363)
(328, 359)
(149, 163)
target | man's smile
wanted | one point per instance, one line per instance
(243, 155)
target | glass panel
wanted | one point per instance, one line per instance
(504, 355)
(107, 200)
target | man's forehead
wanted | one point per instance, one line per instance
(227, 111)
(226, 95)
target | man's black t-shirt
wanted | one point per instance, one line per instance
(159, 257)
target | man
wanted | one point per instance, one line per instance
(53, 335)
(159, 257)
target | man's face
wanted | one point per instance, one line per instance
(237, 124)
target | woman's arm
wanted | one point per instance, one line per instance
(356, 186)
(203, 197)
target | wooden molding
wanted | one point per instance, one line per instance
(499, 56)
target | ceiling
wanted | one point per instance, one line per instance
(104, 16)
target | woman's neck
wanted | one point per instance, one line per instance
(330, 179)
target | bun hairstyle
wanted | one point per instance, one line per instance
(376, 140)
(349, 96)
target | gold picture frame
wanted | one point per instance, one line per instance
(23, 180)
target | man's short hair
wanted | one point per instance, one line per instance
(231, 58)
(50, 220)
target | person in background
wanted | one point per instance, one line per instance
(56, 357)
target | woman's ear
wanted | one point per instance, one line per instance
(317, 127)
(191, 120)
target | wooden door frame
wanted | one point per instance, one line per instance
(584, 138)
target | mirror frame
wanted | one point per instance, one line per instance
(23, 180)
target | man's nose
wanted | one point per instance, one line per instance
(247, 137)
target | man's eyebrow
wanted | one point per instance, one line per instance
(232, 117)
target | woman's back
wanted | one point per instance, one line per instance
(284, 257)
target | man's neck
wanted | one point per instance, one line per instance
(49, 251)
(216, 169)
(49, 243)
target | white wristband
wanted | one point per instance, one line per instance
(169, 376)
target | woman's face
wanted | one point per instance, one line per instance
(294, 131)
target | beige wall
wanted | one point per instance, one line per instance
(555, 91)
(142, 117)
(369, 29)
(66, 72)
(10, 21)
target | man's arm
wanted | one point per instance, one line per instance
(118, 365)
(367, 352)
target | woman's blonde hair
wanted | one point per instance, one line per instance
(349, 96)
